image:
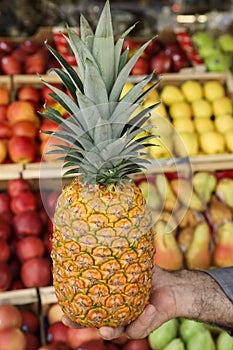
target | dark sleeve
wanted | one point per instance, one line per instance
(224, 277)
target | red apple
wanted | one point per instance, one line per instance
(131, 44)
(5, 277)
(54, 313)
(121, 340)
(5, 250)
(10, 316)
(57, 346)
(160, 63)
(47, 125)
(153, 48)
(179, 60)
(51, 202)
(22, 149)
(5, 229)
(30, 321)
(29, 46)
(28, 93)
(137, 345)
(6, 46)
(77, 337)
(21, 110)
(12, 339)
(24, 128)
(4, 96)
(19, 54)
(27, 223)
(3, 151)
(36, 272)
(91, 345)
(29, 247)
(57, 332)
(46, 91)
(3, 112)
(4, 202)
(16, 186)
(35, 64)
(33, 342)
(10, 65)
(5, 131)
(17, 284)
(141, 67)
(70, 58)
(25, 201)
(111, 346)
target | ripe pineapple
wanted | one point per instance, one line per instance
(103, 230)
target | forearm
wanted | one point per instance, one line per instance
(199, 296)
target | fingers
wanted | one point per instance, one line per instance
(67, 322)
(109, 333)
(143, 325)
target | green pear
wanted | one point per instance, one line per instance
(224, 341)
(151, 194)
(175, 344)
(163, 335)
(202, 38)
(201, 341)
(188, 328)
(225, 41)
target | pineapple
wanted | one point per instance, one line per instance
(103, 246)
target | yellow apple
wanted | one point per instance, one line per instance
(224, 122)
(126, 88)
(201, 108)
(212, 142)
(221, 106)
(192, 90)
(180, 109)
(183, 124)
(187, 144)
(203, 124)
(163, 148)
(213, 90)
(229, 140)
(171, 94)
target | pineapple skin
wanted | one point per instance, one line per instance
(103, 253)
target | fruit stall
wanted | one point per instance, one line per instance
(188, 185)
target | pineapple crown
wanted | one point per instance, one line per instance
(104, 142)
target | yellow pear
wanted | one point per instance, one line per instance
(171, 94)
(224, 191)
(213, 90)
(202, 109)
(229, 140)
(223, 249)
(192, 90)
(223, 123)
(184, 191)
(203, 124)
(180, 109)
(198, 255)
(153, 95)
(221, 106)
(204, 184)
(212, 142)
(151, 194)
(185, 237)
(163, 148)
(168, 197)
(183, 124)
(160, 109)
(187, 144)
(126, 88)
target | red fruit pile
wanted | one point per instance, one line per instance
(26, 57)
(19, 328)
(25, 229)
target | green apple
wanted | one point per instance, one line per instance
(223, 123)
(209, 49)
(213, 89)
(203, 124)
(224, 341)
(201, 341)
(171, 94)
(212, 142)
(180, 109)
(216, 62)
(188, 328)
(222, 106)
(225, 41)
(202, 108)
(163, 335)
(192, 90)
(202, 38)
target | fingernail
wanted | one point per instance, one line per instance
(106, 333)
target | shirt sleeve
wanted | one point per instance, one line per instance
(224, 277)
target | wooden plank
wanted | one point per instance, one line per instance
(10, 171)
(19, 297)
(47, 295)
